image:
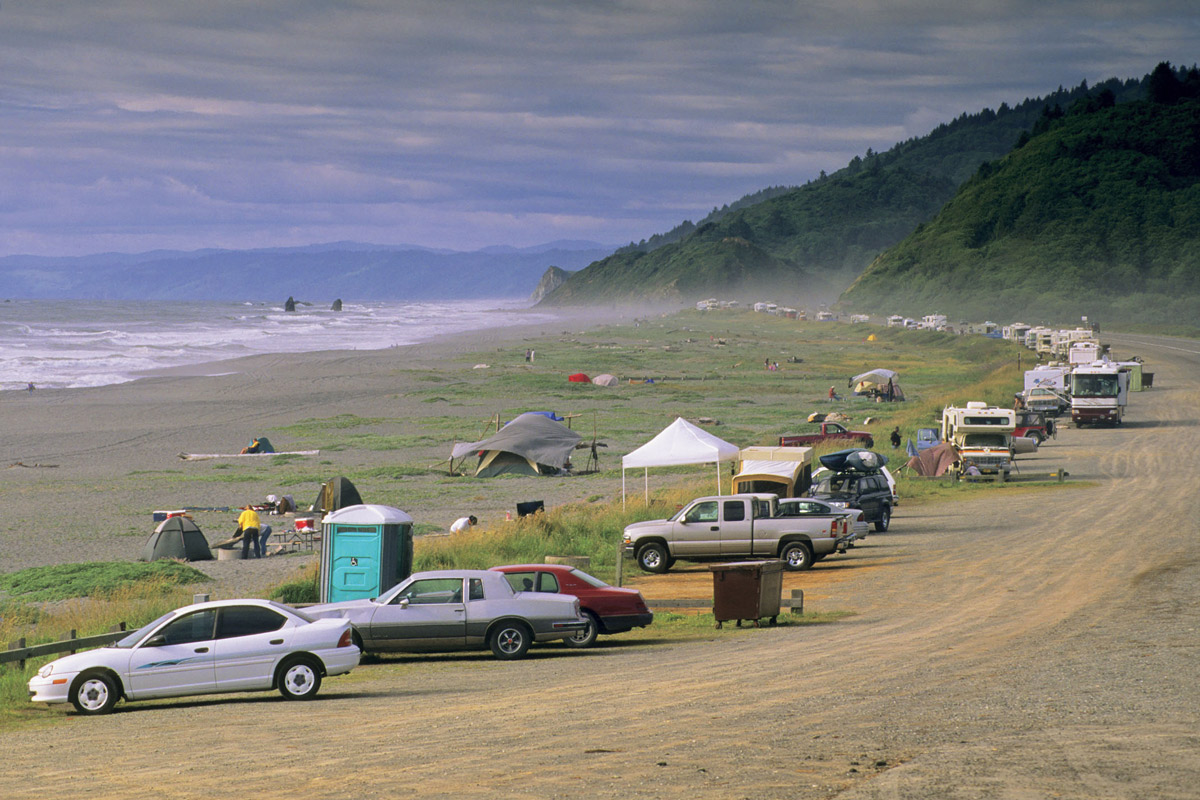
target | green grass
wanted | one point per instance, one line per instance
(94, 579)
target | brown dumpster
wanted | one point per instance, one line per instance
(747, 590)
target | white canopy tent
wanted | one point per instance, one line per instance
(681, 442)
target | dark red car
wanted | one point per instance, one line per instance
(607, 608)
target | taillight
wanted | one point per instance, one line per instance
(346, 639)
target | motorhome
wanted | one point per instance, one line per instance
(982, 434)
(1016, 332)
(934, 321)
(825, 316)
(895, 321)
(1065, 339)
(1083, 353)
(1099, 393)
(1055, 377)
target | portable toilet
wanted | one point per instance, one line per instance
(365, 550)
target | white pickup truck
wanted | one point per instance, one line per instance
(736, 526)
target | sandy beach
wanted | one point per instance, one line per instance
(83, 469)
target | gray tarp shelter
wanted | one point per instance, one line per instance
(531, 444)
(177, 537)
(681, 442)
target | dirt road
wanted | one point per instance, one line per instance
(1021, 645)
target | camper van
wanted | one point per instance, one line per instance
(895, 321)
(1099, 392)
(982, 434)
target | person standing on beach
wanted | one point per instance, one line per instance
(248, 525)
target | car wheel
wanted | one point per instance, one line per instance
(510, 640)
(299, 679)
(587, 636)
(796, 556)
(94, 693)
(885, 519)
(653, 558)
(1037, 438)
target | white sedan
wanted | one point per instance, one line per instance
(220, 646)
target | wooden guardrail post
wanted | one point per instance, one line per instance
(797, 601)
(620, 562)
(70, 636)
(19, 644)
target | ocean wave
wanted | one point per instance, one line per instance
(70, 344)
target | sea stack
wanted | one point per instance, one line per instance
(337, 305)
(290, 305)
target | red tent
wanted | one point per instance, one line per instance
(579, 377)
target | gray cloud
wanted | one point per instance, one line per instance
(134, 124)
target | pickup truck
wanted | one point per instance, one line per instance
(735, 526)
(830, 431)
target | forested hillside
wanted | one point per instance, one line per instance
(1098, 213)
(812, 241)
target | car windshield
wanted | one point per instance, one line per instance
(1094, 385)
(985, 440)
(588, 579)
(136, 636)
(836, 485)
(296, 612)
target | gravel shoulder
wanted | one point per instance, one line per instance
(1022, 644)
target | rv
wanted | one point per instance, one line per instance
(1083, 353)
(825, 316)
(1099, 392)
(982, 435)
(1064, 339)
(1016, 332)
(895, 321)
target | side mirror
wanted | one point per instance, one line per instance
(155, 641)
(404, 603)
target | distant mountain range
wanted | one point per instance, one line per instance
(1050, 232)
(319, 272)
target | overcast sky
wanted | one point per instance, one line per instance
(130, 125)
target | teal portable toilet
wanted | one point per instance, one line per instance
(365, 550)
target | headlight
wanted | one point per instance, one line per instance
(45, 671)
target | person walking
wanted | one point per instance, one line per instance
(248, 527)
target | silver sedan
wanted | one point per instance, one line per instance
(457, 610)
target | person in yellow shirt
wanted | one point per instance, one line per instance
(248, 525)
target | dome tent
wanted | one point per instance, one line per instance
(336, 493)
(177, 537)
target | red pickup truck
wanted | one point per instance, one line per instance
(830, 431)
